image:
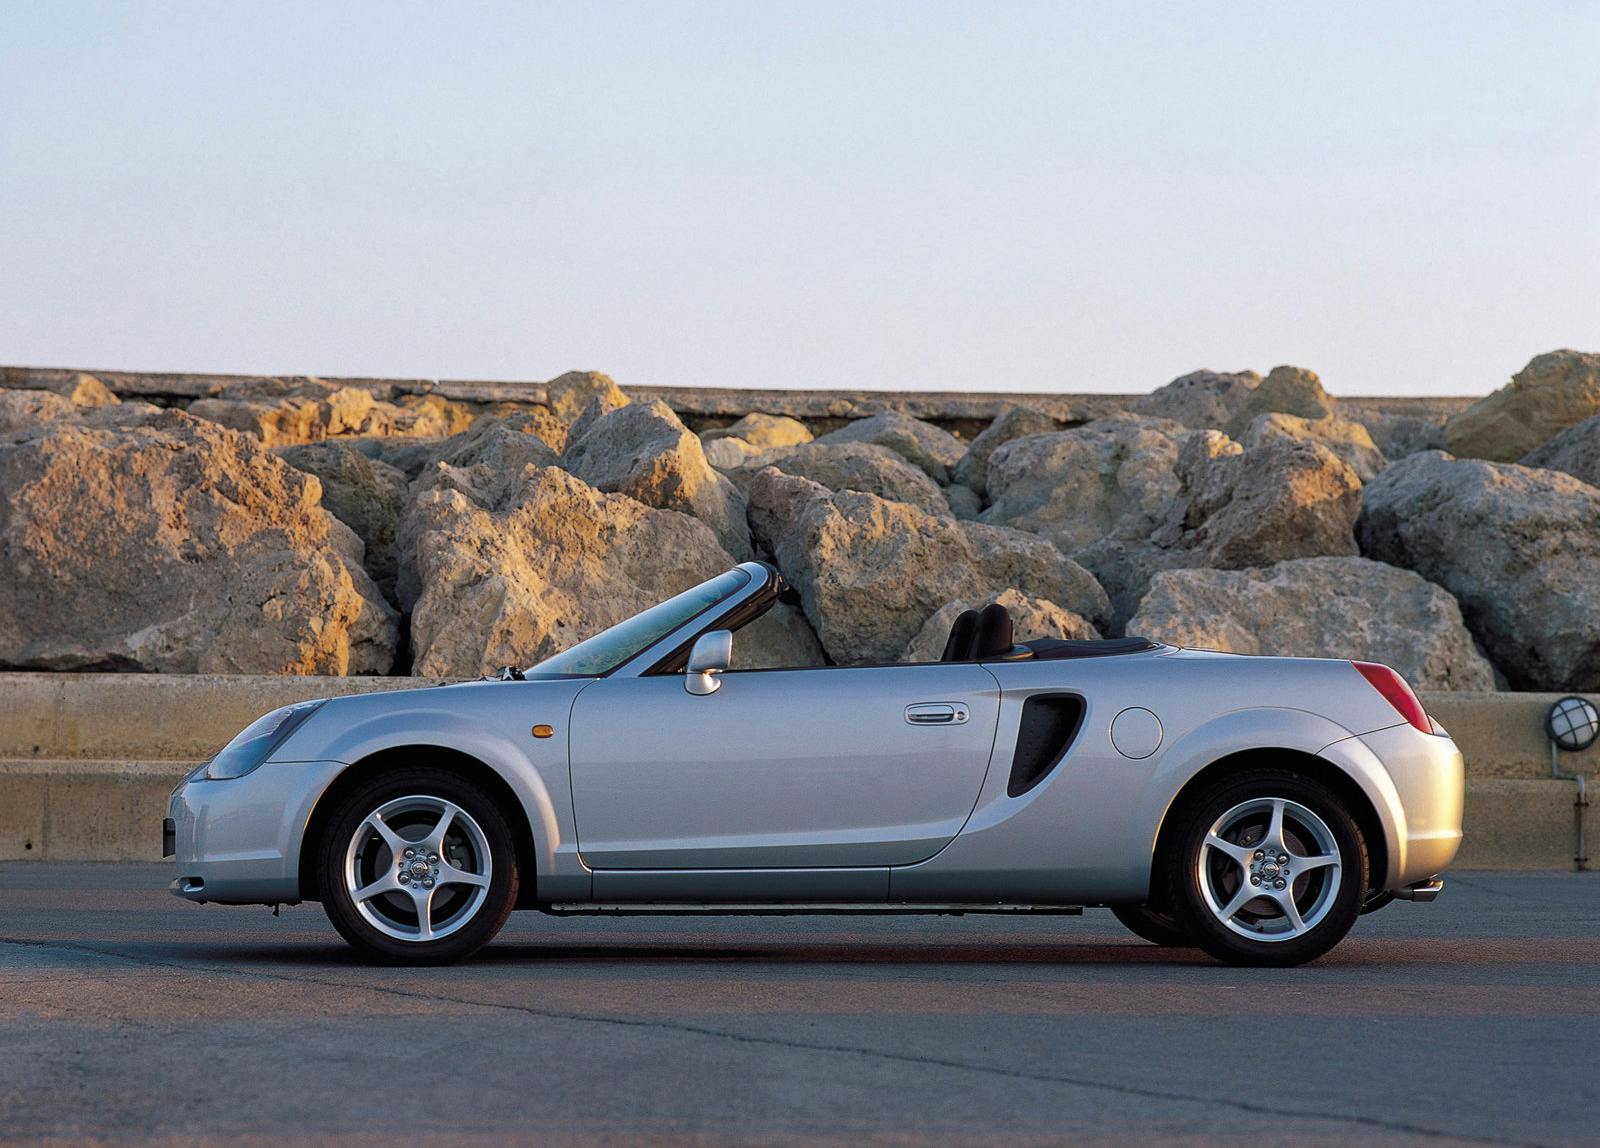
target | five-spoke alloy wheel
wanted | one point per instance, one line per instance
(418, 867)
(1269, 868)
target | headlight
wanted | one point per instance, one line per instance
(256, 741)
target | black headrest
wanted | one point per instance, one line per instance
(994, 632)
(963, 632)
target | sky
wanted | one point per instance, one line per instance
(1019, 196)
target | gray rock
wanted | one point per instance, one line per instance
(150, 540)
(1031, 618)
(1399, 435)
(520, 569)
(870, 571)
(1554, 391)
(1201, 398)
(644, 451)
(964, 503)
(1320, 608)
(1575, 451)
(367, 495)
(1518, 547)
(924, 445)
(1014, 422)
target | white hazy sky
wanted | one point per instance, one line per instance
(1017, 196)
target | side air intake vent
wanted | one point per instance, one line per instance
(1049, 724)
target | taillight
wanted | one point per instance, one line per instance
(1396, 692)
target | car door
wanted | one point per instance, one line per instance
(870, 766)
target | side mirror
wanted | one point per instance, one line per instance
(709, 656)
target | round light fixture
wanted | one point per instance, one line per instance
(1573, 723)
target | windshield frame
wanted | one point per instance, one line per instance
(758, 575)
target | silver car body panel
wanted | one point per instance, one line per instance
(841, 784)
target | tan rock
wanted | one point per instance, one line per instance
(1031, 618)
(870, 571)
(170, 544)
(1201, 398)
(1111, 478)
(1348, 439)
(1518, 547)
(1285, 390)
(779, 639)
(861, 466)
(287, 412)
(366, 494)
(972, 469)
(644, 451)
(1320, 608)
(567, 395)
(923, 445)
(1554, 391)
(763, 431)
(515, 572)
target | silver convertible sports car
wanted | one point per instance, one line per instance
(1251, 806)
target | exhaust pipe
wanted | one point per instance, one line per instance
(1428, 890)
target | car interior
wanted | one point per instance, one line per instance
(988, 635)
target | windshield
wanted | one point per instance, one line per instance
(610, 648)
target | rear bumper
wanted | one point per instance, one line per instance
(1429, 783)
(238, 842)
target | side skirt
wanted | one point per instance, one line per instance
(799, 910)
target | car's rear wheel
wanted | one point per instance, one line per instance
(1269, 868)
(418, 867)
(1153, 925)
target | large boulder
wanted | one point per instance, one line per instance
(1109, 479)
(1285, 390)
(923, 445)
(567, 395)
(1320, 608)
(1031, 618)
(1201, 399)
(285, 412)
(1346, 438)
(366, 494)
(150, 540)
(972, 470)
(870, 571)
(1286, 498)
(1575, 451)
(852, 466)
(779, 639)
(643, 450)
(763, 431)
(1518, 547)
(1554, 391)
(519, 568)
(22, 409)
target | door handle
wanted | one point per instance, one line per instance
(936, 713)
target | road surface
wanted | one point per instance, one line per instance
(127, 1015)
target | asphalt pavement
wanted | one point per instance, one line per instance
(129, 1016)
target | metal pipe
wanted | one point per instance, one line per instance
(1581, 856)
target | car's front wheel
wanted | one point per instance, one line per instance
(1269, 868)
(417, 866)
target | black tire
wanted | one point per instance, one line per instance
(1327, 900)
(476, 919)
(1153, 925)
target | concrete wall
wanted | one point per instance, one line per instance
(87, 760)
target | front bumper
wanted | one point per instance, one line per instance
(238, 842)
